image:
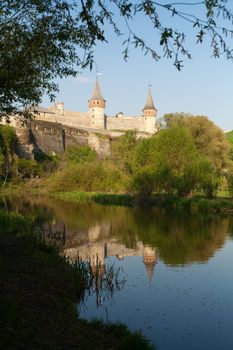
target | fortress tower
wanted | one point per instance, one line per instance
(149, 114)
(96, 108)
(149, 259)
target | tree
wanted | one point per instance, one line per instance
(123, 149)
(8, 142)
(209, 139)
(41, 40)
(144, 181)
(203, 176)
(169, 155)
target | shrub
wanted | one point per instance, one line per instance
(29, 168)
(79, 154)
(94, 176)
(143, 182)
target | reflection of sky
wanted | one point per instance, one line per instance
(202, 87)
(181, 308)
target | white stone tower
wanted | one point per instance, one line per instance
(96, 108)
(149, 115)
(149, 259)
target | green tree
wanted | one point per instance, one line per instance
(123, 149)
(170, 161)
(7, 149)
(28, 168)
(204, 176)
(144, 181)
(209, 139)
(41, 40)
(175, 153)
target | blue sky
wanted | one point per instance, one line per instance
(202, 87)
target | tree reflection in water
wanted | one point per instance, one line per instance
(176, 238)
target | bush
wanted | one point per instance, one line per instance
(13, 222)
(80, 154)
(91, 177)
(29, 168)
(143, 182)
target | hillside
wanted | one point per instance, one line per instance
(229, 136)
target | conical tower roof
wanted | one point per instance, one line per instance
(150, 266)
(97, 93)
(149, 102)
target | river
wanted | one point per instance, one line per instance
(178, 267)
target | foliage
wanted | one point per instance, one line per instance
(168, 154)
(100, 198)
(12, 222)
(14, 168)
(29, 168)
(7, 139)
(81, 170)
(171, 162)
(88, 176)
(144, 181)
(209, 139)
(8, 142)
(79, 155)
(123, 149)
(190, 155)
(41, 40)
(229, 137)
(229, 179)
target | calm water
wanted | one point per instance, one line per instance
(178, 268)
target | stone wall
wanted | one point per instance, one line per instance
(51, 137)
(66, 117)
(48, 137)
(91, 120)
(123, 123)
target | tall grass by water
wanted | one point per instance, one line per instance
(196, 203)
(100, 198)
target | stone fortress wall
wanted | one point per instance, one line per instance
(55, 128)
(120, 122)
(95, 117)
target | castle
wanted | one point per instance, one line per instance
(96, 118)
(54, 129)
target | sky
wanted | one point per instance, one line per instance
(202, 87)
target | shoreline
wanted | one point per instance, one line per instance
(39, 299)
(194, 204)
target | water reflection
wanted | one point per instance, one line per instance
(176, 238)
(186, 259)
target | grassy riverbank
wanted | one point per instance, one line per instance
(38, 292)
(197, 203)
(221, 203)
(100, 198)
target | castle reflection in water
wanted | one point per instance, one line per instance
(95, 244)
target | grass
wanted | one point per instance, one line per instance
(221, 203)
(100, 198)
(196, 203)
(38, 292)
